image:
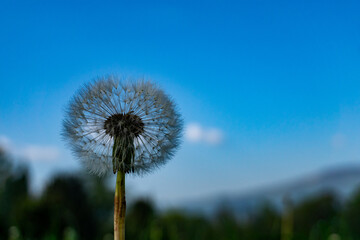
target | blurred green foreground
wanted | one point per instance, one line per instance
(81, 207)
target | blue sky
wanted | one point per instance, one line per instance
(278, 82)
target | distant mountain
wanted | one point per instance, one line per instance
(340, 180)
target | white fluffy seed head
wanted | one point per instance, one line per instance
(139, 114)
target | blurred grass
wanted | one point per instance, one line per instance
(74, 207)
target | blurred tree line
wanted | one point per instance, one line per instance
(81, 207)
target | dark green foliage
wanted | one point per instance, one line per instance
(225, 225)
(176, 225)
(81, 207)
(69, 206)
(141, 216)
(351, 215)
(13, 194)
(315, 217)
(65, 206)
(266, 224)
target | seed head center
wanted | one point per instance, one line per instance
(124, 124)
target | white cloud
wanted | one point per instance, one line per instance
(196, 133)
(34, 153)
(5, 143)
(40, 153)
(214, 136)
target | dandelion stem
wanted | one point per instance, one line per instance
(119, 207)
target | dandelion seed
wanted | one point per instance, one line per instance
(99, 114)
(122, 127)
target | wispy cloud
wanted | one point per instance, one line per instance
(196, 133)
(5, 143)
(40, 153)
(33, 153)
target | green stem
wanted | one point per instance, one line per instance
(119, 207)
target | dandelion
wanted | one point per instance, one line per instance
(123, 127)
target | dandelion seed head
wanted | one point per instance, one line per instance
(122, 126)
